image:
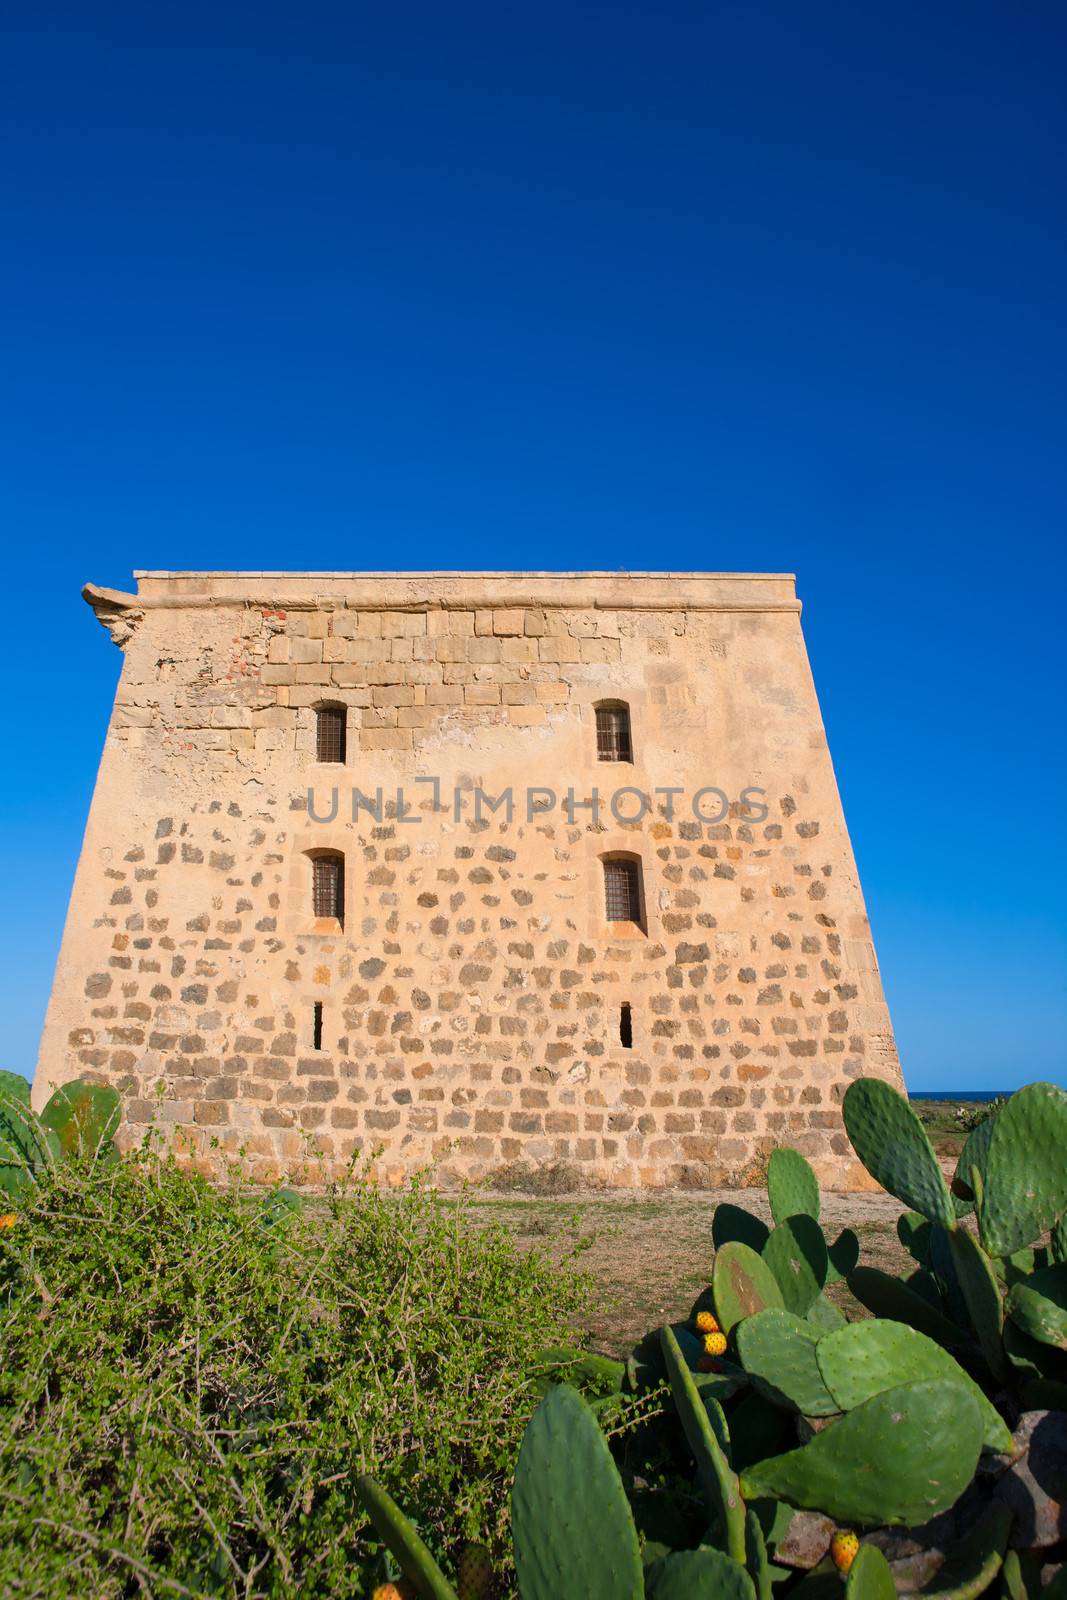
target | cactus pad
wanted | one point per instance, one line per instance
(777, 1350)
(280, 1207)
(1038, 1305)
(886, 1296)
(26, 1148)
(914, 1232)
(706, 1430)
(403, 1542)
(867, 1357)
(981, 1295)
(892, 1144)
(901, 1457)
(1025, 1171)
(824, 1314)
(869, 1577)
(1058, 1241)
(571, 1524)
(792, 1187)
(475, 1579)
(972, 1156)
(1030, 1359)
(13, 1086)
(843, 1255)
(758, 1429)
(973, 1562)
(590, 1373)
(796, 1254)
(685, 1574)
(742, 1284)
(756, 1558)
(83, 1117)
(732, 1222)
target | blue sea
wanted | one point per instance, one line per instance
(962, 1094)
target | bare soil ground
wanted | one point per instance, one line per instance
(650, 1255)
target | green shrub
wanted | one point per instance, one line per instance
(190, 1382)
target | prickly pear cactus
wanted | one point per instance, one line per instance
(474, 1573)
(914, 1233)
(1025, 1178)
(972, 1157)
(734, 1223)
(1058, 1240)
(705, 1431)
(777, 1350)
(973, 1562)
(868, 1357)
(13, 1086)
(825, 1316)
(886, 1296)
(902, 1457)
(1038, 1305)
(570, 1520)
(978, 1286)
(686, 1574)
(796, 1254)
(83, 1117)
(756, 1558)
(280, 1206)
(400, 1537)
(792, 1187)
(842, 1255)
(26, 1148)
(742, 1284)
(892, 1144)
(18, 1145)
(869, 1577)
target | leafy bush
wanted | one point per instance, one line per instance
(191, 1381)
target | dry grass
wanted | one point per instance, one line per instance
(651, 1255)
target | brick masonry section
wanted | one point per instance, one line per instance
(471, 1004)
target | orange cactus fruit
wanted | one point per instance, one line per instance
(394, 1591)
(843, 1547)
(714, 1344)
(706, 1323)
(9, 1219)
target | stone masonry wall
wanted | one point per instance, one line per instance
(471, 1005)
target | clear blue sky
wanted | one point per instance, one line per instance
(745, 286)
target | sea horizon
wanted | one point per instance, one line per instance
(959, 1094)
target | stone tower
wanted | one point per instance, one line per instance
(490, 870)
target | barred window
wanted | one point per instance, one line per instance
(613, 732)
(330, 728)
(328, 887)
(622, 891)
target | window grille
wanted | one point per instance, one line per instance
(613, 734)
(328, 886)
(622, 892)
(330, 733)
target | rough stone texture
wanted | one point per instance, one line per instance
(471, 1004)
(1035, 1486)
(806, 1540)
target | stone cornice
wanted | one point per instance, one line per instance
(424, 591)
(115, 610)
